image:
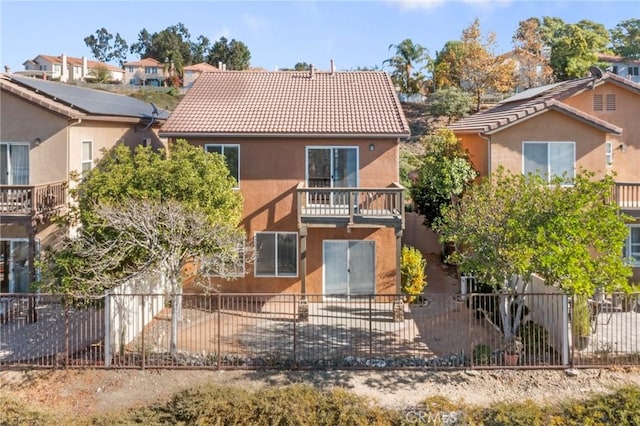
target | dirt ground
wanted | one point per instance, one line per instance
(98, 391)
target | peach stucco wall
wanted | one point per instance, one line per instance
(625, 164)
(478, 151)
(506, 146)
(270, 170)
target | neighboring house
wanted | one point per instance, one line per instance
(192, 72)
(47, 131)
(145, 72)
(68, 69)
(315, 155)
(590, 123)
(530, 70)
(627, 68)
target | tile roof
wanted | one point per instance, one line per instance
(74, 61)
(202, 67)
(146, 62)
(536, 101)
(353, 103)
(75, 101)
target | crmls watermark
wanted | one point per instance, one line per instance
(419, 417)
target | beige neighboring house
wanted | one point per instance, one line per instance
(47, 131)
(68, 69)
(315, 156)
(627, 68)
(145, 72)
(591, 123)
(192, 72)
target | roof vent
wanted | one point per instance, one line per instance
(333, 67)
(311, 71)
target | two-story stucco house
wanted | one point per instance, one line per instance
(191, 73)
(145, 72)
(628, 68)
(68, 69)
(590, 123)
(315, 155)
(49, 130)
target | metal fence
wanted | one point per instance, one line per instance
(224, 331)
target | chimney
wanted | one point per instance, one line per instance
(333, 67)
(220, 65)
(311, 71)
(65, 71)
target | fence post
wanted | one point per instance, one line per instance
(107, 330)
(370, 327)
(295, 336)
(144, 351)
(565, 330)
(219, 350)
(66, 336)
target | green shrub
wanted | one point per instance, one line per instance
(481, 354)
(535, 339)
(412, 272)
(581, 317)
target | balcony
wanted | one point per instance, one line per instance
(627, 195)
(351, 207)
(33, 202)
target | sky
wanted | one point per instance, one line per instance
(281, 33)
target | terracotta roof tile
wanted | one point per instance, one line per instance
(287, 102)
(202, 67)
(535, 101)
(146, 62)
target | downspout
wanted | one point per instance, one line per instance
(488, 139)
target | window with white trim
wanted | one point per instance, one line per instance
(276, 254)
(549, 159)
(608, 146)
(632, 245)
(231, 155)
(87, 157)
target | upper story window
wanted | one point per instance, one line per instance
(231, 155)
(87, 157)
(615, 70)
(14, 164)
(632, 245)
(151, 70)
(276, 254)
(633, 71)
(609, 153)
(131, 69)
(56, 68)
(549, 159)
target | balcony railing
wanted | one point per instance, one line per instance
(627, 195)
(36, 200)
(351, 206)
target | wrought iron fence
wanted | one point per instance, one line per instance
(224, 331)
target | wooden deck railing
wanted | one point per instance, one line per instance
(34, 200)
(356, 205)
(627, 195)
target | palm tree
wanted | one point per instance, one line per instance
(407, 56)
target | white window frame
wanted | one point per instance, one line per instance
(275, 259)
(608, 147)
(632, 256)
(84, 161)
(8, 166)
(223, 146)
(548, 176)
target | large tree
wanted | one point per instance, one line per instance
(510, 226)
(528, 42)
(481, 69)
(171, 46)
(234, 54)
(574, 47)
(625, 39)
(444, 173)
(451, 102)
(104, 50)
(407, 64)
(447, 65)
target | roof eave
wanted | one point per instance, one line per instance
(282, 135)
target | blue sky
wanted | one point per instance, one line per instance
(281, 33)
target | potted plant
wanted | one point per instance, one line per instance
(581, 323)
(511, 349)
